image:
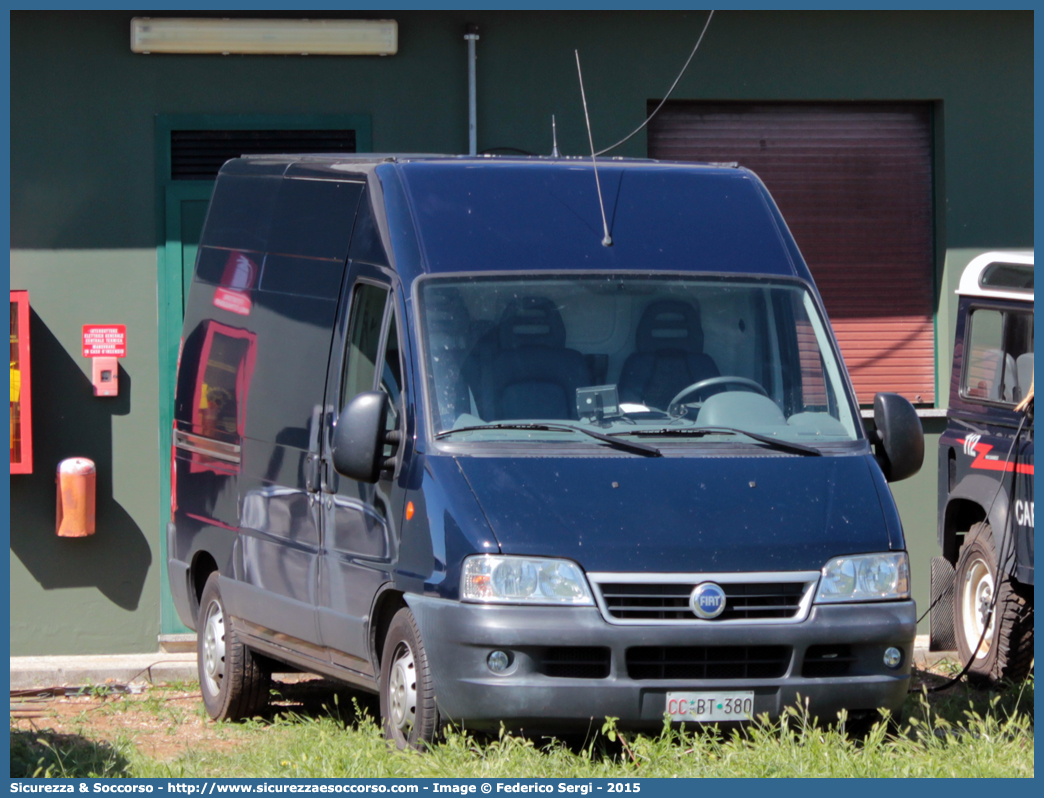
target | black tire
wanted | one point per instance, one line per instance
(233, 682)
(1006, 653)
(408, 712)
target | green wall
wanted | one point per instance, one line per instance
(82, 104)
(98, 594)
(84, 205)
(917, 499)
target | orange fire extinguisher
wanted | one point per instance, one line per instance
(77, 477)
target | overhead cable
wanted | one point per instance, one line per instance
(667, 96)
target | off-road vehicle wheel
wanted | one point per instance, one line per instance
(1006, 651)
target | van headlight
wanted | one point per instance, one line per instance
(865, 577)
(529, 580)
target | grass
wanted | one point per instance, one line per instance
(968, 734)
(50, 755)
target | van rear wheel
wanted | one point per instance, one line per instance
(231, 678)
(1006, 650)
(408, 711)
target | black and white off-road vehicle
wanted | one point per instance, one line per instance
(982, 586)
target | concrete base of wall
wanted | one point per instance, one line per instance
(178, 643)
(99, 670)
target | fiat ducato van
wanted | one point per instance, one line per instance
(439, 437)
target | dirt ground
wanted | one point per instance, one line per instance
(165, 721)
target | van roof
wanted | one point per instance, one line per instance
(520, 213)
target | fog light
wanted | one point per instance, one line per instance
(498, 661)
(892, 657)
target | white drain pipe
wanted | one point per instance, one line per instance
(471, 35)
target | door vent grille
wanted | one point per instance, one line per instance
(199, 154)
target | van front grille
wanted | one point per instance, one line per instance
(669, 601)
(708, 662)
(576, 662)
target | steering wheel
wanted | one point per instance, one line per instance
(709, 382)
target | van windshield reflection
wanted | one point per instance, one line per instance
(548, 358)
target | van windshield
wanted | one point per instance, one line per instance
(656, 358)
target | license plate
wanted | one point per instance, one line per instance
(735, 705)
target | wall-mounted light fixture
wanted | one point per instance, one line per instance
(265, 36)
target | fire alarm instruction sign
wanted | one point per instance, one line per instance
(105, 340)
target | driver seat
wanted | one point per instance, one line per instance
(669, 355)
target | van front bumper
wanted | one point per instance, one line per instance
(459, 638)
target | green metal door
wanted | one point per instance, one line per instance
(192, 212)
(185, 209)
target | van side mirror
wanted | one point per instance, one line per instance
(360, 437)
(899, 438)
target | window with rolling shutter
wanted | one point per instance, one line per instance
(199, 154)
(854, 184)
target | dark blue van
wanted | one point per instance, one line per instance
(435, 439)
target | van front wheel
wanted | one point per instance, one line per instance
(408, 710)
(1006, 650)
(233, 683)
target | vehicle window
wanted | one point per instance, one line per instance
(1008, 275)
(999, 359)
(364, 338)
(391, 378)
(630, 355)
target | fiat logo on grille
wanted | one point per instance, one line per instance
(707, 600)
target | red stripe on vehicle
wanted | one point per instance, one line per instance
(980, 462)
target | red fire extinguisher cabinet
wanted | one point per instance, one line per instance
(21, 386)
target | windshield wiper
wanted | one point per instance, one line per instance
(616, 443)
(775, 443)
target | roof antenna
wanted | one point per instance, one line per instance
(608, 240)
(554, 139)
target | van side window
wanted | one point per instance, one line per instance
(999, 361)
(391, 378)
(364, 338)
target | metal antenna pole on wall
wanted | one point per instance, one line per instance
(471, 35)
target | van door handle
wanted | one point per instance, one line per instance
(325, 480)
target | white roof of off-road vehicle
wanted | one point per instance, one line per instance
(1000, 275)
